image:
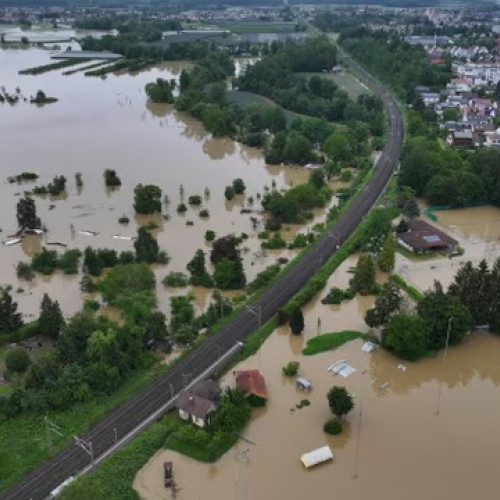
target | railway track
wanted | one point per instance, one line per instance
(38, 484)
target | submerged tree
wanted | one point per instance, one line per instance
(339, 401)
(26, 214)
(296, 321)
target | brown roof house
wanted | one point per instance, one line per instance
(254, 386)
(421, 237)
(198, 404)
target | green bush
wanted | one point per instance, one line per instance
(45, 262)
(204, 213)
(274, 243)
(68, 262)
(194, 199)
(263, 235)
(24, 271)
(291, 369)
(17, 359)
(181, 208)
(300, 241)
(335, 296)
(210, 235)
(229, 193)
(333, 427)
(176, 279)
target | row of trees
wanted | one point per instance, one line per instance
(445, 176)
(441, 317)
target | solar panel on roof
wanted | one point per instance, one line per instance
(433, 238)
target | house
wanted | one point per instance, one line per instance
(197, 404)
(430, 98)
(460, 138)
(254, 386)
(492, 140)
(422, 237)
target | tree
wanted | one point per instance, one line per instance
(126, 280)
(199, 274)
(111, 178)
(406, 335)
(239, 186)
(387, 303)
(445, 316)
(17, 359)
(72, 342)
(224, 247)
(147, 199)
(155, 329)
(26, 214)
(160, 91)
(146, 247)
(10, 319)
(410, 208)
(339, 401)
(386, 257)
(229, 274)
(296, 321)
(337, 147)
(229, 193)
(233, 411)
(363, 280)
(51, 320)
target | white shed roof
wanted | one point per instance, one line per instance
(316, 456)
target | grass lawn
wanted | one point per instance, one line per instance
(246, 99)
(346, 81)
(329, 341)
(417, 256)
(261, 27)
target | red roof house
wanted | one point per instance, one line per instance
(254, 386)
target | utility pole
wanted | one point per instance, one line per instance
(257, 312)
(86, 446)
(318, 327)
(50, 427)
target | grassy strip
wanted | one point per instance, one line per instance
(38, 70)
(113, 479)
(23, 437)
(416, 256)
(329, 341)
(85, 68)
(413, 292)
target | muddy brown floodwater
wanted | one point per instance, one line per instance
(102, 123)
(430, 433)
(477, 231)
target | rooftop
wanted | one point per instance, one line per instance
(252, 382)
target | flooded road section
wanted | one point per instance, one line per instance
(431, 433)
(102, 123)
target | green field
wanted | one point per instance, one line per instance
(329, 341)
(245, 99)
(261, 27)
(346, 81)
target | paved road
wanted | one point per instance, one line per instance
(44, 479)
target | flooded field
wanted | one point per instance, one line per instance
(430, 421)
(102, 123)
(418, 427)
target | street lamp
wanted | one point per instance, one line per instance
(447, 340)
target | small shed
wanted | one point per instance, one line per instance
(304, 384)
(317, 456)
(253, 384)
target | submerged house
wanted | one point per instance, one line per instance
(254, 386)
(422, 237)
(198, 404)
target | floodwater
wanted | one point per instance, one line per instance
(431, 432)
(428, 433)
(477, 231)
(107, 122)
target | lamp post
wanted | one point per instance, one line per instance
(447, 342)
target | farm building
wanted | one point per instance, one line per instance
(254, 386)
(422, 237)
